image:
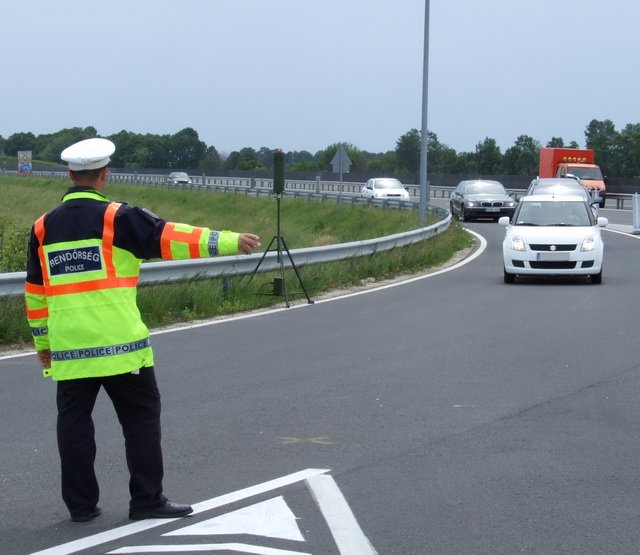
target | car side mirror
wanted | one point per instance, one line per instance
(504, 221)
(602, 221)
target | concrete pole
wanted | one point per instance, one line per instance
(424, 183)
(636, 214)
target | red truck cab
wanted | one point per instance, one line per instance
(577, 163)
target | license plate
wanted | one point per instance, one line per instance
(493, 209)
(552, 256)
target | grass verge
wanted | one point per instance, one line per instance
(304, 224)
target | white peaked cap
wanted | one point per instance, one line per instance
(90, 154)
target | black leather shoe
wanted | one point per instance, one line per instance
(167, 510)
(86, 517)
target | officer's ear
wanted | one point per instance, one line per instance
(101, 178)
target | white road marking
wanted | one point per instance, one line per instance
(257, 490)
(143, 525)
(240, 547)
(628, 233)
(272, 519)
(343, 525)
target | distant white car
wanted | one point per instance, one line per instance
(384, 188)
(552, 235)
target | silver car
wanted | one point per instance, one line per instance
(178, 177)
(558, 186)
(562, 187)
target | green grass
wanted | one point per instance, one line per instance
(303, 224)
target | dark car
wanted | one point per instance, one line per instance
(480, 198)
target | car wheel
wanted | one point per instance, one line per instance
(508, 278)
(596, 278)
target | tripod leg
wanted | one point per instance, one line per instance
(296, 271)
(280, 244)
(261, 259)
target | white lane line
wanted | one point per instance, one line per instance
(476, 254)
(621, 232)
(240, 547)
(141, 526)
(17, 355)
(343, 525)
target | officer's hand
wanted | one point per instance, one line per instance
(248, 242)
(45, 358)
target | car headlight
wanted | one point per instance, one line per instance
(510, 204)
(517, 244)
(588, 244)
(469, 203)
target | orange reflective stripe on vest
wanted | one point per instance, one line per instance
(37, 313)
(107, 238)
(38, 229)
(111, 281)
(191, 238)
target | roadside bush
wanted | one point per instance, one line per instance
(13, 247)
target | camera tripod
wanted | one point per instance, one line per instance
(279, 283)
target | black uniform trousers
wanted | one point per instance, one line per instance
(136, 400)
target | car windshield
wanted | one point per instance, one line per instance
(485, 188)
(179, 174)
(585, 173)
(553, 213)
(387, 184)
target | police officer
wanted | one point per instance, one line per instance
(82, 272)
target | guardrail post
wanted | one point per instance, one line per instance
(636, 214)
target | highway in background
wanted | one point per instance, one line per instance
(452, 414)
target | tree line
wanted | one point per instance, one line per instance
(617, 152)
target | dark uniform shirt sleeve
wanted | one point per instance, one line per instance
(138, 230)
(34, 271)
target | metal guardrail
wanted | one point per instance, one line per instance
(340, 192)
(263, 186)
(12, 284)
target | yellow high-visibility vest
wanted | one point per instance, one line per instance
(85, 309)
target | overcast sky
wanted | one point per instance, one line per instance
(301, 75)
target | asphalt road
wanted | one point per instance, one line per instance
(452, 414)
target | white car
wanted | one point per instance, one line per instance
(384, 188)
(553, 236)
